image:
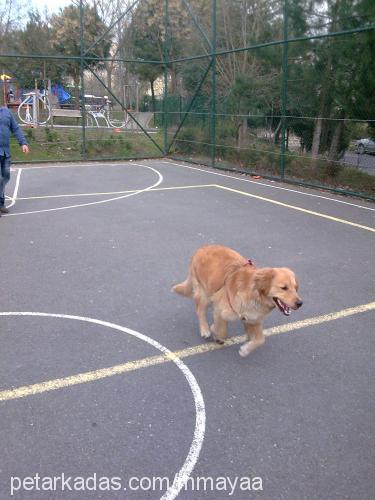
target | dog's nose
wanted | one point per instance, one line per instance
(299, 303)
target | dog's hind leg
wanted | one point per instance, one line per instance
(256, 339)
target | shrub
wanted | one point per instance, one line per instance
(29, 132)
(51, 135)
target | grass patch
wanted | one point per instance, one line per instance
(263, 158)
(54, 144)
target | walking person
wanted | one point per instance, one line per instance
(8, 125)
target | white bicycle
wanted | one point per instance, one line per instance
(35, 109)
(98, 112)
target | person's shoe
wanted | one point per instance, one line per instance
(4, 210)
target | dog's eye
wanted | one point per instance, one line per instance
(284, 288)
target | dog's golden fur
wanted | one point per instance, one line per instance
(238, 290)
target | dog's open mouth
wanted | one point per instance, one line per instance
(282, 306)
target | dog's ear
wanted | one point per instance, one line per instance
(263, 279)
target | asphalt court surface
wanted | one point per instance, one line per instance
(91, 252)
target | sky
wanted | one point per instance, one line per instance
(51, 5)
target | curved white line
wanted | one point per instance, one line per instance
(270, 186)
(159, 181)
(77, 165)
(16, 187)
(200, 413)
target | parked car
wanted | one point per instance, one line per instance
(365, 146)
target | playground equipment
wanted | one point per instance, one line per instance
(35, 108)
(40, 108)
(10, 91)
(98, 110)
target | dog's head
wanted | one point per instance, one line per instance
(279, 285)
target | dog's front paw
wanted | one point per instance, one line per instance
(217, 339)
(206, 334)
(244, 351)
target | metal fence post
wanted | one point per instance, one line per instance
(284, 92)
(213, 94)
(82, 69)
(166, 59)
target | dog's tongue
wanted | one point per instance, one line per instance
(282, 306)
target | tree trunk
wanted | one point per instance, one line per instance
(277, 133)
(316, 137)
(109, 70)
(152, 94)
(173, 73)
(77, 93)
(335, 143)
(324, 107)
(242, 134)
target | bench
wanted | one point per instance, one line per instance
(57, 111)
(67, 113)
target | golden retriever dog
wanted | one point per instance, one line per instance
(237, 289)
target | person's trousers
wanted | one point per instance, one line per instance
(4, 177)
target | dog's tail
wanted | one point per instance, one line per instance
(185, 288)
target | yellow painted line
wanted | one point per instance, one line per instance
(105, 193)
(81, 378)
(172, 188)
(91, 376)
(276, 330)
(300, 209)
(46, 197)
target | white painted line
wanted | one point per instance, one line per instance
(167, 356)
(205, 170)
(111, 193)
(77, 165)
(159, 181)
(257, 183)
(184, 473)
(73, 165)
(294, 207)
(16, 187)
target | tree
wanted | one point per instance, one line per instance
(152, 41)
(146, 44)
(332, 79)
(66, 37)
(249, 81)
(360, 51)
(110, 12)
(34, 38)
(11, 13)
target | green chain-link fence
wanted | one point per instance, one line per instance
(282, 89)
